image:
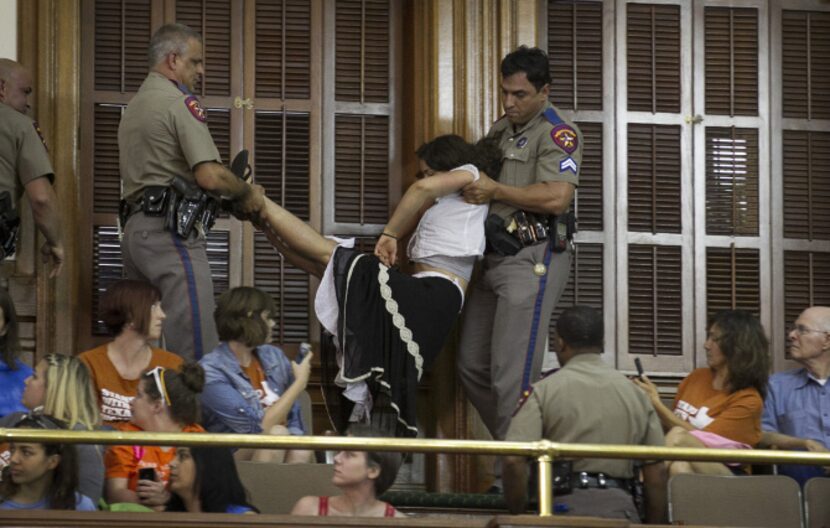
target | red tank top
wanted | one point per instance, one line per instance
(323, 508)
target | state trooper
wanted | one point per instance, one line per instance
(172, 177)
(25, 169)
(526, 267)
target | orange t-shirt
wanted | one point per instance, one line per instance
(123, 461)
(114, 392)
(256, 376)
(735, 416)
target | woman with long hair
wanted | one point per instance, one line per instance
(60, 387)
(13, 372)
(167, 402)
(131, 310)
(42, 476)
(719, 405)
(389, 326)
(204, 479)
(250, 386)
(362, 476)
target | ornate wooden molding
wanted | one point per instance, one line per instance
(49, 46)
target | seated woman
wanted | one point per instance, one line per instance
(42, 476)
(204, 479)
(13, 372)
(132, 312)
(60, 388)
(390, 326)
(167, 402)
(719, 406)
(362, 476)
(250, 386)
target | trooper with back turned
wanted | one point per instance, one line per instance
(588, 401)
(25, 168)
(173, 180)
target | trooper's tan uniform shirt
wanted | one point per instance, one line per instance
(589, 402)
(162, 134)
(505, 322)
(23, 156)
(532, 155)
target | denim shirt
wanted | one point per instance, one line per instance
(230, 404)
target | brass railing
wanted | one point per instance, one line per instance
(543, 451)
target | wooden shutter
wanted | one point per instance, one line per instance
(654, 178)
(805, 65)
(585, 285)
(655, 303)
(106, 176)
(282, 161)
(107, 268)
(731, 47)
(283, 51)
(653, 49)
(212, 21)
(806, 282)
(589, 198)
(731, 181)
(362, 51)
(361, 160)
(732, 280)
(122, 31)
(575, 50)
(806, 184)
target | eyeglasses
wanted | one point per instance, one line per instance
(158, 377)
(803, 330)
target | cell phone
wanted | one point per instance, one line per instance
(305, 348)
(639, 365)
(147, 474)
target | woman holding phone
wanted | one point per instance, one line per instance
(167, 402)
(250, 386)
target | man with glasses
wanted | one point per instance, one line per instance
(797, 407)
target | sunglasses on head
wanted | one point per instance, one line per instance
(158, 377)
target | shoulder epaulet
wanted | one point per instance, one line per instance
(562, 134)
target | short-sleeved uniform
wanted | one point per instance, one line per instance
(587, 401)
(114, 392)
(162, 134)
(23, 154)
(505, 322)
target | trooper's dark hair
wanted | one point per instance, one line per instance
(532, 61)
(581, 327)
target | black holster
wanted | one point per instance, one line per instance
(523, 229)
(9, 226)
(189, 207)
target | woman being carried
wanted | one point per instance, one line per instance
(389, 326)
(167, 402)
(719, 406)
